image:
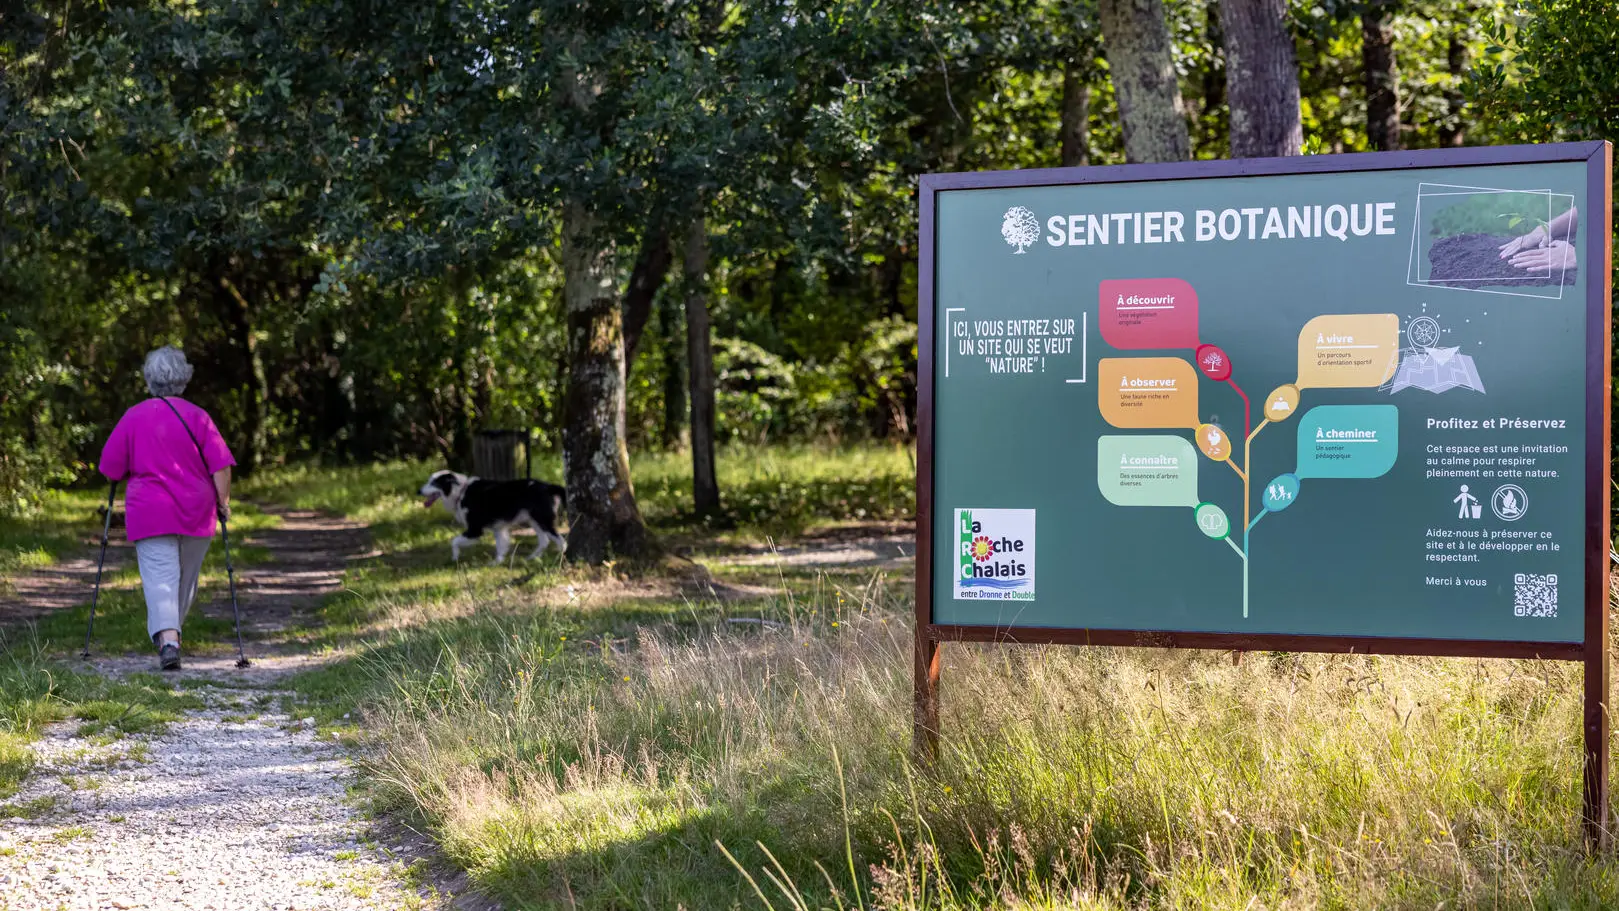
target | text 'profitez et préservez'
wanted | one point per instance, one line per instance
(1505, 422)
(1252, 223)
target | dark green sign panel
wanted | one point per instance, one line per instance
(1354, 397)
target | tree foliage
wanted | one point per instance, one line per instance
(350, 213)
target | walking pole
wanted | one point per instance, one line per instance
(106, 528)
(230, 574)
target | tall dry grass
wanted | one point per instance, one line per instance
(769, 766)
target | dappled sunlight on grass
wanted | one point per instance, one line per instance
(121, 611)
(651, 736)
(361, 492)
(784, 489)
(776, 489)
(1070, 778)
(66, 522)
(52, 530)
(411, 579)
(121, 624)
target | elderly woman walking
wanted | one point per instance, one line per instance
(178, 468)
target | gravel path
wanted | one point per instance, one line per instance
(891, 549)
(234, 807)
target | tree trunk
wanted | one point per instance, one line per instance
(674, 377)
(1262, 79)
(1213, 77)
(239, 317)
(1382, 89)
(705, 485)
(1453, 132)
(651, 267)
(602, 513)
(1076, 115)
(891, 281)
(1136, 38)
(467, 387)
(339, 418)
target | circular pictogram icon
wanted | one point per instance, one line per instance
(1423, 332)
(1214, 362)
(1509, 502)
(1213, 442)
(1282, 403)
(1212, 521)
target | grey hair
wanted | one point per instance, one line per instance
(166, 371)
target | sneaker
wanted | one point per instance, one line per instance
(169, 657)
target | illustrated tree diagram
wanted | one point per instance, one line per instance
(1336, 441)
(1020, 228)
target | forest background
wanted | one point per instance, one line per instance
(380, 228)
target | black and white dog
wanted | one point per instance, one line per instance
(498, 506)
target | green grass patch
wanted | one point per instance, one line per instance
(28, 809)
(130, 716)
(120, 623)
(35, 692)
(782, 491)
(55, 528)
(775, 490)
(16, 761)
(669, 770)
(771, 491)
(593, 740)
(71, 833)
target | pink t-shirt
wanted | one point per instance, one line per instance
(169, 492)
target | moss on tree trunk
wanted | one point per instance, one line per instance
(603, 518)
(1140, 56)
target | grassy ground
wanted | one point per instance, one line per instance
(585, 739)
(766, 490)
(612, 739)
(413, 584)
(64, 527)
(1070, 778)
(53, 530)
(35, 692)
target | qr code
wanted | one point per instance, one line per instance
(1534, 595)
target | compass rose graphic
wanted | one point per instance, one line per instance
(1423, 332)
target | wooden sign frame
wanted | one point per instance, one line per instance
(1597, 250)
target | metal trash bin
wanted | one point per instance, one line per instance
(495, 455)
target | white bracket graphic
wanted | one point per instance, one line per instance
(1084, 348)
(949, 336)
(1084, 342)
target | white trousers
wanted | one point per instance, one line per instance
(170, 565)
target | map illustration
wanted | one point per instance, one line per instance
(1426, 366)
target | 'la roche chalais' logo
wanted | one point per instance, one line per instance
(1020, 228)
(995, 554)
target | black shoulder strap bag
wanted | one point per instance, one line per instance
(224, 529)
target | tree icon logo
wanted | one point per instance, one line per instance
(1020, 228)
